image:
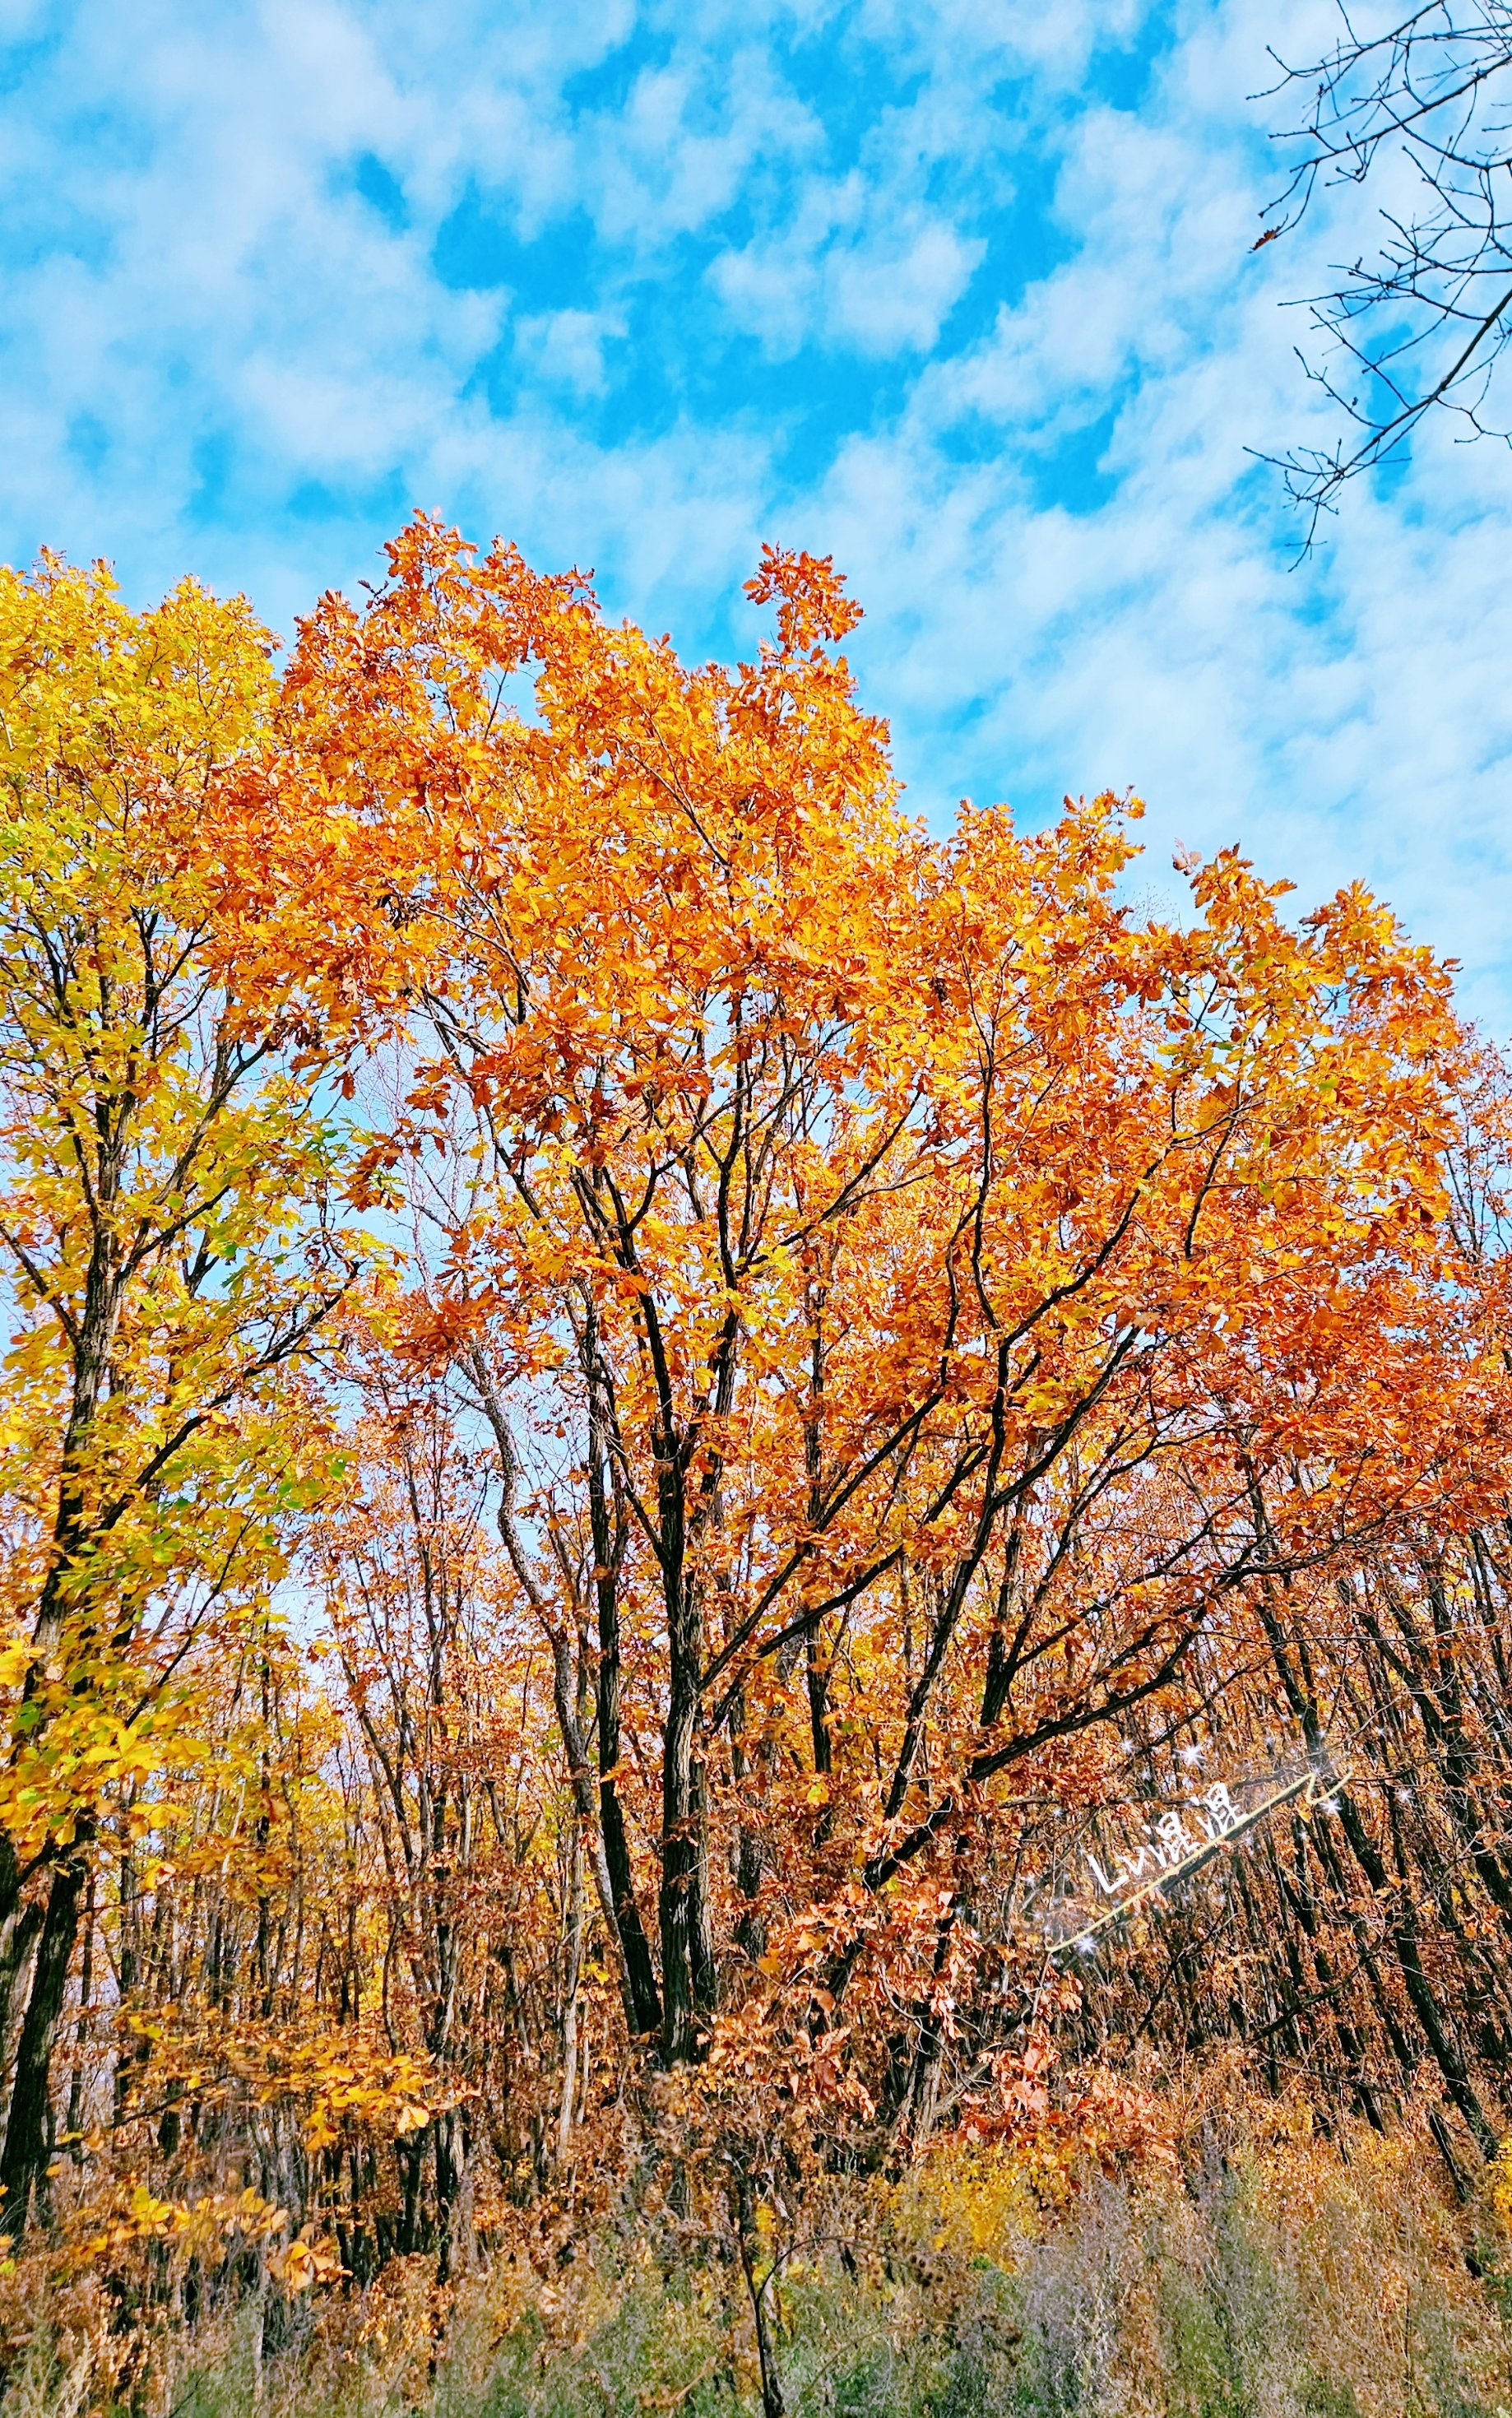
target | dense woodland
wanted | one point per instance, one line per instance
(646, 1409)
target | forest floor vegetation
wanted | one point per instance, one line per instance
(1272, 2272)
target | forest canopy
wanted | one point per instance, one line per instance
(698, 1486)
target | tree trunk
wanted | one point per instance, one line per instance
(681, 1876)
(572, 1963)
(687, 1945)
(25, 2150)
(773, 2404)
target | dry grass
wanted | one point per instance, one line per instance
(1275, 2275)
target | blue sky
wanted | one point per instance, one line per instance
(959, 290)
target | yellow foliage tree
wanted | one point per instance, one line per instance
(164, 1172)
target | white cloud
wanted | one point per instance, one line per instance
(880, 281)
(217, 353)
(1016, 34)
(566, 347)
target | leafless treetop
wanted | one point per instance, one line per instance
(1425, 107)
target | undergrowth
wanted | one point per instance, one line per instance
(1273, 2275)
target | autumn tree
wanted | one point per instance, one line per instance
(165, 1171)
(910, 1300)
(870, 1366)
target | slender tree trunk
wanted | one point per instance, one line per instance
(15, 1969)
(640, 1973)
(750, 1857)
(772, 2403)
(645, 2002)
(448, 2182)
(687, 1948)
(688, 1969)
(25, 2148)
(572, 1963)
(679, 1870)
(816, 1668)
(10, 1889)
(80, 2038)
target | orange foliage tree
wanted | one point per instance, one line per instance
(911, 1299)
